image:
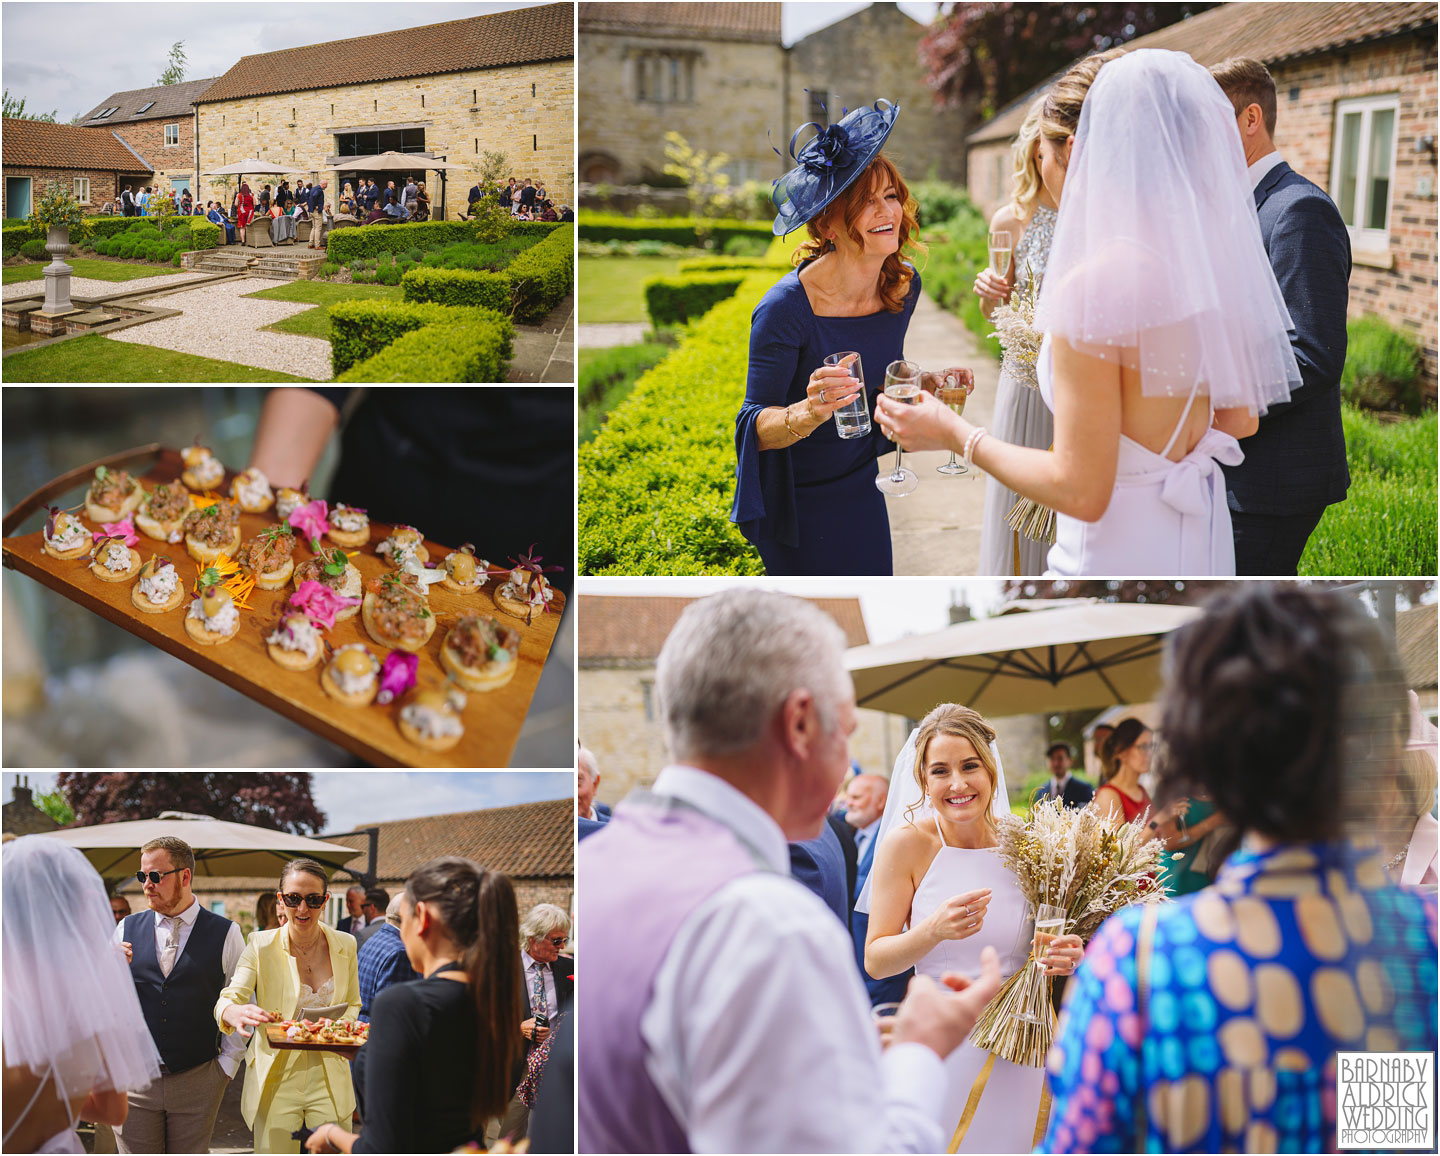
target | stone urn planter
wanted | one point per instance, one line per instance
(57, 273)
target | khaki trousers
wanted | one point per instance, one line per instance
(176, 1113)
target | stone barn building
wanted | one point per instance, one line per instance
(1356, 88)
(620, 638)
(93, 163)
(532, 843)
(875, 53)
(714, 73)
(159, 124)
(498, 83)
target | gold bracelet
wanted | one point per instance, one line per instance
(793, 432)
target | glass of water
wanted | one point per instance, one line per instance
(852, 420)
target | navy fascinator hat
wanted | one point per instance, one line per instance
(828, 163)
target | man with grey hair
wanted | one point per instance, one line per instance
(550, 982)
(381, 960)
(715, 978)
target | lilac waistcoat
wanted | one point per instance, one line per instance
(653, 864)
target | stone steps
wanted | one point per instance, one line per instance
(288, 266)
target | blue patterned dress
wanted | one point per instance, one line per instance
(1255, 983)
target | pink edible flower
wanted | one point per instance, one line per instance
(124, 529)
(320, 603)
(397, 675)
(311, 518)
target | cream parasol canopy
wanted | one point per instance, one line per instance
(1068, 658)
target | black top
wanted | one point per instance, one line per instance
(419, 1068)
(492, 466)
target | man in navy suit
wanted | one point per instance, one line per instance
(592, 815)
(864, 805)
(1295, 464)
(1071, 791)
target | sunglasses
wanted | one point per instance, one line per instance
(314, 902)
(560, 941)
(155, 876)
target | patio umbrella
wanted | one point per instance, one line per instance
(391, 162)
(1069, 658)
(220, 848)
(253, 166)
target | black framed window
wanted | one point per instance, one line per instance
(364, 144)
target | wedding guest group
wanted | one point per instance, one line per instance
(723, 1005)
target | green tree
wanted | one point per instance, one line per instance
(16, 109)
(54, 805)
(701, 172)
(175, 73)
(493, 167)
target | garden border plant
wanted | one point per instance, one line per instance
(684, 231)
(532, 285)
(362, 330)
(676, 300)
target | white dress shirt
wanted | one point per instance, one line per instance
(232, 1046)
(552, 1001)
(759, 992)
(1261, 167)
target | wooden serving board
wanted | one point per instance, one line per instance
(492, 718)
(276, 1036)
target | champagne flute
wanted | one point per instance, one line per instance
(1000, 246)
(1050, 922)
(902, 383)
(955, 387)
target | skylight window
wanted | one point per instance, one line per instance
(143, 107)
(104, 113)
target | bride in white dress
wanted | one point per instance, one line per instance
(1166, 333)
(941, 895)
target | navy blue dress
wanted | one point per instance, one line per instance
(812, 508)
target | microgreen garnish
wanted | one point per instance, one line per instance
(270, 533)
(335, 563)
(101, 473)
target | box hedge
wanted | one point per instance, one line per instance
(675, 300)
(457, 287)
(478, 349)
(365, 241)
(726, 264)
(685, 231)
(657, 481)
(542, 275)
(361, 329)
(13, 238)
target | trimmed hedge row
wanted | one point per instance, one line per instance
(682, 231)
(473, 350)
(13, 238)
(365, 241)
(360, 330)
(457, 287)
(725, 264)
(657, 481)
(676, 300)
(543, 274)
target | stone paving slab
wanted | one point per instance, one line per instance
(603, 336)
(545, 352)
(89, 287)
(220, 321)
(936, 529)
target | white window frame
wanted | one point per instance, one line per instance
(170, 144)
(1361, 237)
(82, 190)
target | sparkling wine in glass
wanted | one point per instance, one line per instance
(1000, 246)
(955, 387)
(1050, 921)
(902, 383)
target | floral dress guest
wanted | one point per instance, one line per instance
(804, 496)
(1287, 705)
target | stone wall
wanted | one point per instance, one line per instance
(102, 184)
(738, 98)
(1399, 283)
(147, 137)
(525, 112)
(869, 55)
(630, 747)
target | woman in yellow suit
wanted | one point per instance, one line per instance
(302, 970)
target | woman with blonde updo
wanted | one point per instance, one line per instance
(941, 896)
(1021, 416)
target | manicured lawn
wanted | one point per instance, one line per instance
(89, 267)
(613, 288)
(316, 322)
(94, 358)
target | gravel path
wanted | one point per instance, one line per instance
(220, 321)
(89, 287)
